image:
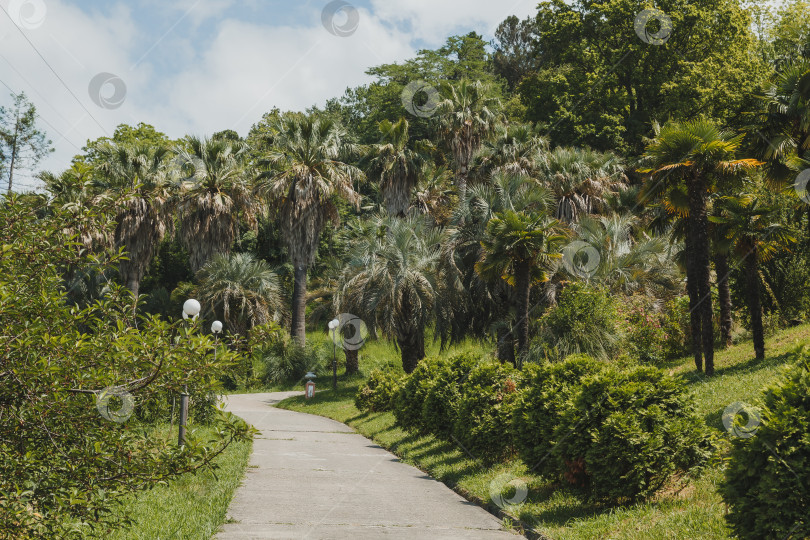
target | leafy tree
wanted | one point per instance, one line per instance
(215, 193)
(748, 226)
(144, 219)
(22, 144)
(600, 85)
(519, 247)
(304, 175)
(391, 282)
(245, 290)
(700, 157)
(514, 55)
(68, 454)
(124, 135)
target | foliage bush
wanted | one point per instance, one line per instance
(380, 391)
(643, 329)
(483, 420)
(547, 394)
(64, 467)
(441, 400)
(411, 396)
(766, 483)
(629, 433)
(585, 320)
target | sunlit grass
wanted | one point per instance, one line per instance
(191, 507)
(696, 511)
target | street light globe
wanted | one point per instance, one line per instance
(191, 309)
(334, 323)
(216, 327)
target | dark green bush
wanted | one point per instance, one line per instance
(585, 320)
(379, 392)
(767, 483)
(484, 412)
(548, 392)
(410, 398)
(286, 361)
(628, 433)
(441, 400)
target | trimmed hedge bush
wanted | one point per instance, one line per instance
(767, 483)
(628, 433)
(483, 420)
(410, 398)
(549, 392)
(379, 392)
(441, 401)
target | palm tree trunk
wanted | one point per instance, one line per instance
(298, 328)
(692, 291)
(755, 303)
(724, 295)
(134, 285)
(412, 350)
(352, 361)
(522, 289)
(699, 224)
(506, 345)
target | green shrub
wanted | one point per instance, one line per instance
(379, 392)
(411, 396)
(643, 329)
(441, 399)
(485, 409)
(286, 361)
(585, 320)
(767, 483)
(628, 433)
(548, 392)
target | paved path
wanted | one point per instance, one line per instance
(311, 477)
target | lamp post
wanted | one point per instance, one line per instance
(191, 310)
(216, 329)
(333, 324)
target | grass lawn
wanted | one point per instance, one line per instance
(695, 511)
(191, 507)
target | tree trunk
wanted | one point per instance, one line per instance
(755, 303)
(724, 295)
(412, 349)
(133, 284)
(699, 223)
(522, 290)
(298, 329)
(352, 361)
(506, 345)
(692, 290)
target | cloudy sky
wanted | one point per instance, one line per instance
(199, 66)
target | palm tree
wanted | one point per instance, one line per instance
(755, 237)
(245, 290)
(434, 193)
(515, 148)
(467, 114)
(582, 180)
(631, 261)
(144, 218)
(395, 166)
(698, 156)
(519, 247)
(215, 193)
(304, 175)
(391, 281)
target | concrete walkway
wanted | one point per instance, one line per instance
(311, 477)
